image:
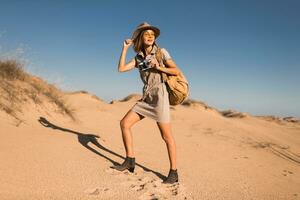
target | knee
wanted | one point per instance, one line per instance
(124, 124)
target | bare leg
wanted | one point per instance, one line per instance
(126, 123)
(165, 131)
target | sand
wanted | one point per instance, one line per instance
(49, 156)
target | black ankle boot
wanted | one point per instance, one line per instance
(172, 177)
(129, 163)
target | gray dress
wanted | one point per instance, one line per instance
(155, 101)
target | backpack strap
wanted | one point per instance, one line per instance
(159, 58)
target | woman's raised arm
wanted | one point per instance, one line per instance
(123, 67)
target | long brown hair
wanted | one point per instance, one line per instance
(138, 44)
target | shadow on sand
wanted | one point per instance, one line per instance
(84, 139)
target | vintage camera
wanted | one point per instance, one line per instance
(145, 64)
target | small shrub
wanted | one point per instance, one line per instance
(12, 70)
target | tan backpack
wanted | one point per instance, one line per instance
(177, 85)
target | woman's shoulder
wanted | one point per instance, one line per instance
(163, 49)
(165, 53)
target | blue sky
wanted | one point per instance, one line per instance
(242, 55)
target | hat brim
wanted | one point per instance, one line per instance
(137, 32)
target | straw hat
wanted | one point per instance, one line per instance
(144, 26)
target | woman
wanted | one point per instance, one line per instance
(155, 101)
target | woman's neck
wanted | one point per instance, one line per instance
(148, 49)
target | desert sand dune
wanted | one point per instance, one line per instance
(47, 154)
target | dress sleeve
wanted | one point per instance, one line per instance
(165, 55)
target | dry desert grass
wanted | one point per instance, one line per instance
(17, 88)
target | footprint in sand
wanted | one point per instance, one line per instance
(244, 157)
(96, 191)
(152, 188)
(208, 131)
(287, 173)
(148, 185)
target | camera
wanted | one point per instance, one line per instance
(145, 64)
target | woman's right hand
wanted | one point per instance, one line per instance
(127, 43)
